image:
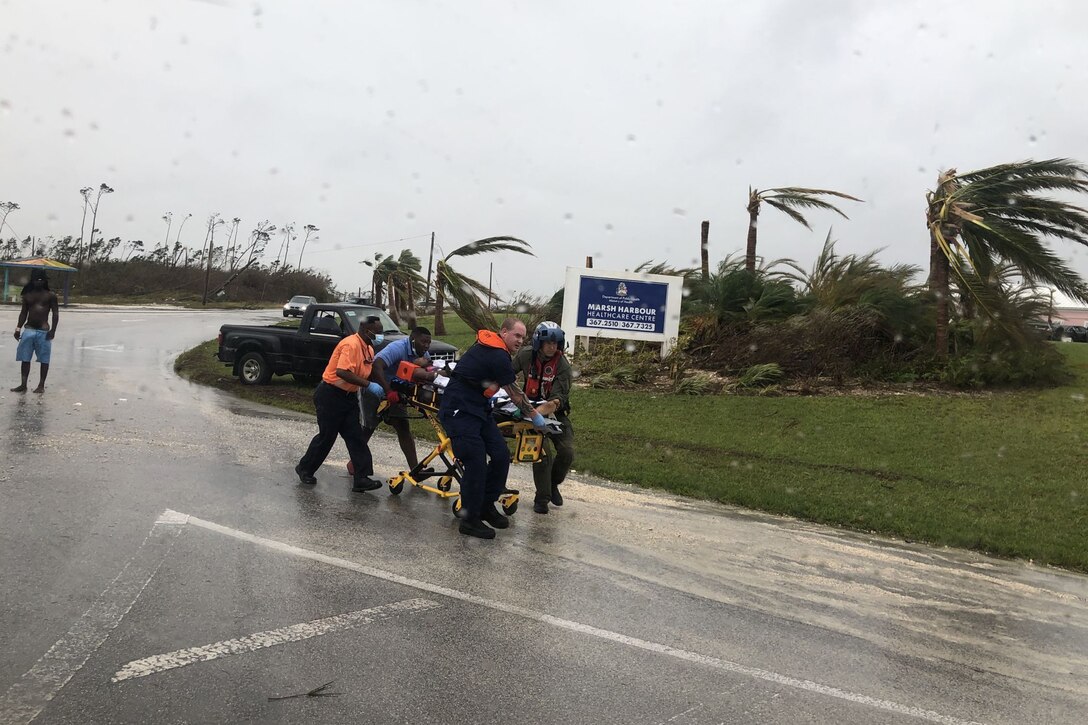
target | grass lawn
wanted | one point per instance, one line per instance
(1005, 473)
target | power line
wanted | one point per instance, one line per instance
(371, 244)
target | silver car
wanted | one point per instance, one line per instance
(297, 305)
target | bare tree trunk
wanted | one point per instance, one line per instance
(439, 304)
(392, 300)
(750, 252)
(90, 242)
(704, 250)
(82, 224)
(939, 286)
(233, 277)
(934, 260)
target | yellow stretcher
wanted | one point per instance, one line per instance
(441, 463)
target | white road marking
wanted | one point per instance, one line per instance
(103, 348)
(608, 635)
(25, 699)
(269, 638)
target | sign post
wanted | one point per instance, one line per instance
(624, 305)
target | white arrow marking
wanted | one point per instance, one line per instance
(269, 638)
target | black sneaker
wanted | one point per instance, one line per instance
(491, 515)
(307, 478)
(477, 528)
(366, 484)
(557, 498)
(540, 507)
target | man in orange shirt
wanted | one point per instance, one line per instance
(336, 401)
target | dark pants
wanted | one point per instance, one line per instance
(552, 470)
(337, 414)
(475, 440)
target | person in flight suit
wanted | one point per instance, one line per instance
(548, 378)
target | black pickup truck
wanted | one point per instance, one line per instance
(256, 353)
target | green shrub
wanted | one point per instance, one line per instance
(759, 376)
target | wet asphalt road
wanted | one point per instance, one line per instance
(143, 515)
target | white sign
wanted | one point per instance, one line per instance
(625, 305)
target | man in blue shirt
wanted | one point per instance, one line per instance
(415, 349)
(465, 414)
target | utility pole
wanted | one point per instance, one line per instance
(705, 252)
(430, 262)
(490, 271)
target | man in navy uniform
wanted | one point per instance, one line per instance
(465, 413)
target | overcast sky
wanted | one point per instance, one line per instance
(609, 129)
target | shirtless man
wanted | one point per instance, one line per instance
(37, 337)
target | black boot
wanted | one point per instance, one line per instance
(540, 506)
(307, 478)
(477, 528)
(491, 515)
(557, 498)
(368, 483)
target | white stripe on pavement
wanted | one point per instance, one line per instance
(270, 638)
(664, 649)
(25, 699)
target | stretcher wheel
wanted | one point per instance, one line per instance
(396, 485)
(457, 507)
(445, 483)
(510, 508)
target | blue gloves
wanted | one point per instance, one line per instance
(376, 390)
(538, 422)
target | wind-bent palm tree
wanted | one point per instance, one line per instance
(397, 278)
(787, 199)
(982, 219)
(464, 292)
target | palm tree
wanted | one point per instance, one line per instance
(85, 192)
(102, 189)
(310, 229)
(464, 292)
(6, 207)
(400, 278)
(168, 217)
(787, 199)
(838, 281)
(984, 218)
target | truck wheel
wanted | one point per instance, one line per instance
(253, 369)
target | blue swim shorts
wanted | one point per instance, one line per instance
(34, 341)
